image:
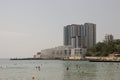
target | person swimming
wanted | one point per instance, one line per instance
(67, 68)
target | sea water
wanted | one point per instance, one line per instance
(58, 70)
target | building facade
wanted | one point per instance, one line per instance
(108, 38)
(59, 52)
(63, 52)
(80, 36)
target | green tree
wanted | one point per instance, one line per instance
(104, 49)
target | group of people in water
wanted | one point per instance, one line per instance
(77, 66)
(37, 68)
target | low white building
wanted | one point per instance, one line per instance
(62, 52)
(38, 55)
(57, 52)
(78, 53)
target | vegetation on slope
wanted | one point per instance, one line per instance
(104, 48)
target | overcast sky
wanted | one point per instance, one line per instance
(28, 26)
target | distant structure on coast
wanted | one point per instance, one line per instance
(38, 55)
(77, 38)
(108, 38)
(80, 35)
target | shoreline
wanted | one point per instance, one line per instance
(32, 59)
(89, 59)
(47, 59)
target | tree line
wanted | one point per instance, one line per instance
(105, 48)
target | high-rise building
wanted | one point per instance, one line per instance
(90, 34)
(108, 38)
(80, 36)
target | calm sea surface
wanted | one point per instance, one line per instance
(58, 70)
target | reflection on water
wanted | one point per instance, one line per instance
(58, 70)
